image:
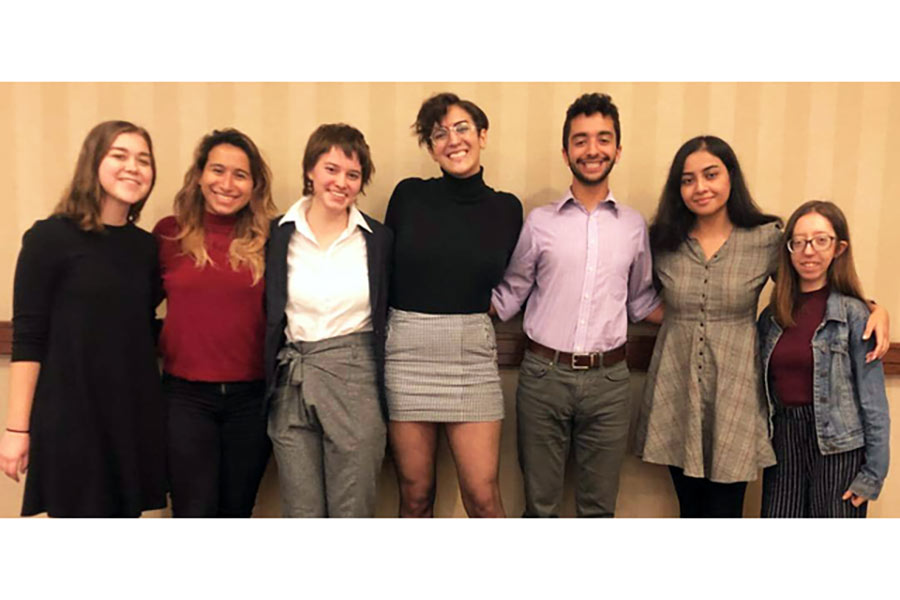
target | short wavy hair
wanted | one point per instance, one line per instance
(337, 135)
(435, 108)
(591, 104)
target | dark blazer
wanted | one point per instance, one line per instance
(379, 244)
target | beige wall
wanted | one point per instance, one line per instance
(795, 142)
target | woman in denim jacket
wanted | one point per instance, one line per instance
(828, 410)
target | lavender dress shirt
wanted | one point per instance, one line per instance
(587, 274)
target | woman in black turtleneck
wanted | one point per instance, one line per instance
(453, 238)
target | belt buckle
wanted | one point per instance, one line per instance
(590, 361)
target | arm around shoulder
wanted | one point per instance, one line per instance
(519, 279)
(879, 322)
(868, 382)
(644, 302)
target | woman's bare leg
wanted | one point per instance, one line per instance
(476, 450)
(414, 445)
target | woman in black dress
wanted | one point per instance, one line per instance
(85, 416)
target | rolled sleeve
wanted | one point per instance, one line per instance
(642, 296)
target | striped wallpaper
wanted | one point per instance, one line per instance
(796, 141)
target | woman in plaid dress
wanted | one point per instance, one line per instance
(704, 413)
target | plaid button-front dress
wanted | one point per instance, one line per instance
(703, 408)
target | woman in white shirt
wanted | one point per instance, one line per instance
(326, 304)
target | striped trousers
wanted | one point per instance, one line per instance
(806, 483)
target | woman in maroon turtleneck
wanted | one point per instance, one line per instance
(212, 257)
(829, 415)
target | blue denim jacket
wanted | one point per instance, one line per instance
(848, 395)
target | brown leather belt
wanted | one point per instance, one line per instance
(590, 360)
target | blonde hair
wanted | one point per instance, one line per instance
(252, 228)
(81, 200)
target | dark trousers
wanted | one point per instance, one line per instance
(806, 483)
(558, 408)
(217, 446)
(701, 498)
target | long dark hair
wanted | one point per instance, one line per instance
(673, 221)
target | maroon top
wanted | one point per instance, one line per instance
(791, 364)
(215, 317)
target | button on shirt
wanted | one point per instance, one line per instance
(328, 288)
(586, 273)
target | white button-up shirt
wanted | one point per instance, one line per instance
(328, 288)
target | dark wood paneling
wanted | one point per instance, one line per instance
(892, 360)
(5, 338)
(511, 347)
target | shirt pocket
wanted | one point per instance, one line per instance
(490, 335)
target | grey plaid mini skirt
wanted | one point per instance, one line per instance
(442, 368)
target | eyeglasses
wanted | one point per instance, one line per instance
(819, 243)
(441, 135)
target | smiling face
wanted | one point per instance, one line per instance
(705, 184)
(592, 149)
(810, 264)
(126, 171)
(336, 180)
(226, 182)
(459, 155)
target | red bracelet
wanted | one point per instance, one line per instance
(18, 430)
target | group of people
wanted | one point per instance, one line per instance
(325, 336)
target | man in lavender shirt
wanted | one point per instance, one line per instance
(585, 263)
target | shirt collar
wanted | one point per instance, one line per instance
(356, 218)
(568, 198)
(835, 310)
(297, 214)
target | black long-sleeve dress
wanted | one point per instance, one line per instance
(83, 307)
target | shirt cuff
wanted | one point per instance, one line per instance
(638, 316)
(502, 311)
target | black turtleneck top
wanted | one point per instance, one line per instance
(452, 240)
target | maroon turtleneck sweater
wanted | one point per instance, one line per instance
(791, 365)
(215, 318)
